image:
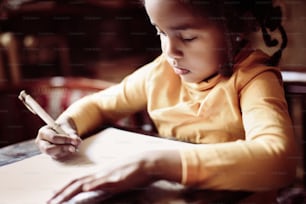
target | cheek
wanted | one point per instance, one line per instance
(203, 51)
(206, 55)
(214, 51)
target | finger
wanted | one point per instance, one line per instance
(62, 139)
(111, 182)
(61, 154)
(43, 131)
(71, 137)
(98, 182)
(44, 145)
(76, 140)
(68, 191)
(96, 196)
(56, 151)
(48, 134)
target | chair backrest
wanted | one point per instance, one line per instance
(21, 57)
(296, 97)
(9, 59)
(295, 89)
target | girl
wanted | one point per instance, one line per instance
(207, 87)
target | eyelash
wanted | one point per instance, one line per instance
(188, 39)
(159, 33)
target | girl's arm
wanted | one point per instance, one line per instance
(130, 172)
(265, 160)
(93, 111)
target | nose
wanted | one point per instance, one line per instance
(172, 48)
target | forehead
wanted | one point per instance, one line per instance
(172, 14)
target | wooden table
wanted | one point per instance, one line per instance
(18, 152)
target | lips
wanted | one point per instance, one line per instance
(180, 71)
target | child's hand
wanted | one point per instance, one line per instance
(57, 145)
(131, 172)
(122, 175)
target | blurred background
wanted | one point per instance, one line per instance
(65, 49)
(57, 50)
(75, 38)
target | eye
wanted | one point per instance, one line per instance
(188, 38)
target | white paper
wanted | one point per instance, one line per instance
(34, 180)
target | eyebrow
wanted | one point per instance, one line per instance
(182, 27)
(179, 27)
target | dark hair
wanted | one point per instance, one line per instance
(239, 17)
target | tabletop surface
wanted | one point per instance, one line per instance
(157, 193)
(17, 152)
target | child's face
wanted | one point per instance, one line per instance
(194, 46)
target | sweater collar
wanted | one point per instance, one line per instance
(204, 85)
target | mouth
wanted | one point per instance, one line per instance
(180, 71)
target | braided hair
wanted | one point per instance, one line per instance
(238, 17)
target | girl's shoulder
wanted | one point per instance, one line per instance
(252, 66)
(148, 69)
(155, 72)
(159, 68)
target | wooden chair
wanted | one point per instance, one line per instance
(48, 55)
(296, 97)
(9, 59)
(27, 56)
(295, 89)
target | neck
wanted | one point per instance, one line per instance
(210, 77)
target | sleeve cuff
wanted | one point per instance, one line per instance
(190, 166)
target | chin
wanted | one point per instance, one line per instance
(189, 80)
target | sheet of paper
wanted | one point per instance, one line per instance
(34, 180)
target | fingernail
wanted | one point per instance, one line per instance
(74, 142)
(55, 201)
(72, 149)
(86, 187)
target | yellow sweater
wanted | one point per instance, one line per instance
(241, 123)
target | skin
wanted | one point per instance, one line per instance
(194, 47)
(56, 145)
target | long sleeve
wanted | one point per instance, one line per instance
(265, 159)
(110, 104)
(241, 124)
